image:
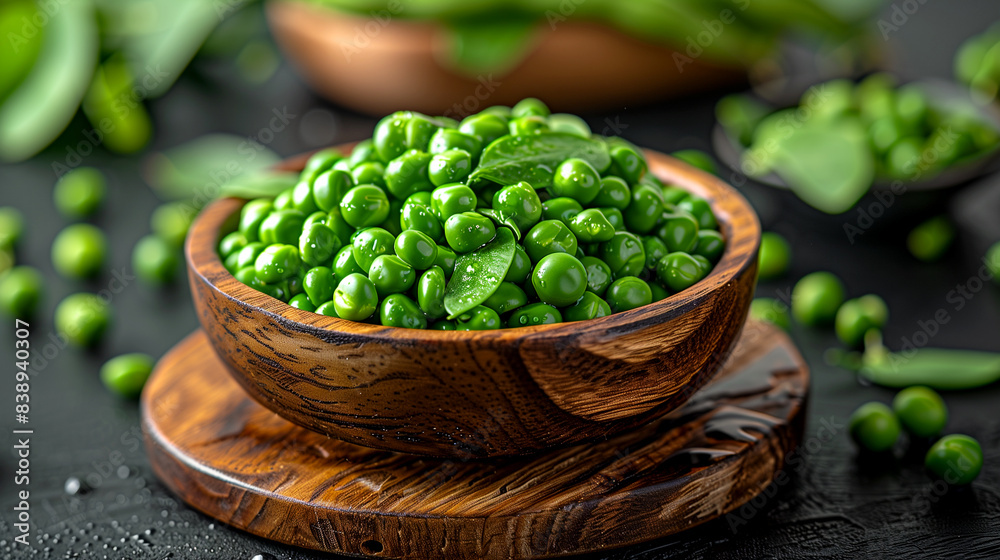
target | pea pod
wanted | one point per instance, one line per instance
(478, 274)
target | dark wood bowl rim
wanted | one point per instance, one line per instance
(727, 203)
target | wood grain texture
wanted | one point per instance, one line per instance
(400, 67)
(486, 393)
(236, 461)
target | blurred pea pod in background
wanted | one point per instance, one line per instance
(109, 55)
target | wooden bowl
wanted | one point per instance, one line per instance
(379, 65)
(485, 393)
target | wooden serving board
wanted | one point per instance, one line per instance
(236, 461)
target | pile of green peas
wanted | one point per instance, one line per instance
(375, 235)
(957, 459)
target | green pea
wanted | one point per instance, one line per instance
(20, 291)
(658, 291)
(232, 243)
(624, 254)
(628, 164)
(126, 375)
(956, 459)
(282, 226)
(697, 159)
(335, 221)
(547, 237)
(572, 124)
(369, 244)
(530, 106)
(171, 222)
(856, 317)
(443, 326)
(921, 411)
(430, 292)
(446, 139)
(468, 231)
(330, 187)
(774, 256)
(903, 156)
(771, 311)
(679, 271)
(599, 275)
(79, 251)
(816, 298)
(302, 302)
(531, 124)
(520, 267)
(317, 217)
(419, 131)
(252, 215)
(369, 173)
(365, 206)
(485, 127)
(930, 240)
(82, 319)
(501, 111)
(446, 260)
(408, 174)
(874, 427)
(448, 200)
(296, 284)
(562, 209)
(710, 244)
(391, 275)
(319, 162)
(248, 255)
(389, 137)
(363, 151)
(80, 192)
(534, 314)
(576, 179)
(344, 263)
(317, 244)
(155, 261)
(645, 210)
(397, 310)
(614, 193)
(416, 248)
(277, 263)
(679, 231)
(615, 217)
(479, 318)
(421, 217)
(701, 210)
(884, 132)
(247, 275)
(327, 308)
(355, 298)
(590, 226)
(284, 201)
(559, 279)
(11, 227)
(628, 292)
(451, 166)
(655, 250)
(507, 297)
(302, 198)
(589, 306)
(319, 283)
(520, 202)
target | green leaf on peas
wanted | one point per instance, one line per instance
(500, 219)
(478, 274)
(534, 158)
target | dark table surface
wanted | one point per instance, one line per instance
(835, 505)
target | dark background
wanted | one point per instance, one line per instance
(835, 505)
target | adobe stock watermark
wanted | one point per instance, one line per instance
(32, 26)
(485, 89)
(371, 29)
(915, 169)
(710, 31)
(794, 464)
(900, 13)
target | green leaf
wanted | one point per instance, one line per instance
(500, 219)
(828, 166)
(478, 274)
(534, 157)
(44, 103)
(200, 168)
(260, 185)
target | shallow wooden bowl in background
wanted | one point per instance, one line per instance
(485, 393)
(378, 66)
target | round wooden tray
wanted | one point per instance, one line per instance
(236, 461)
